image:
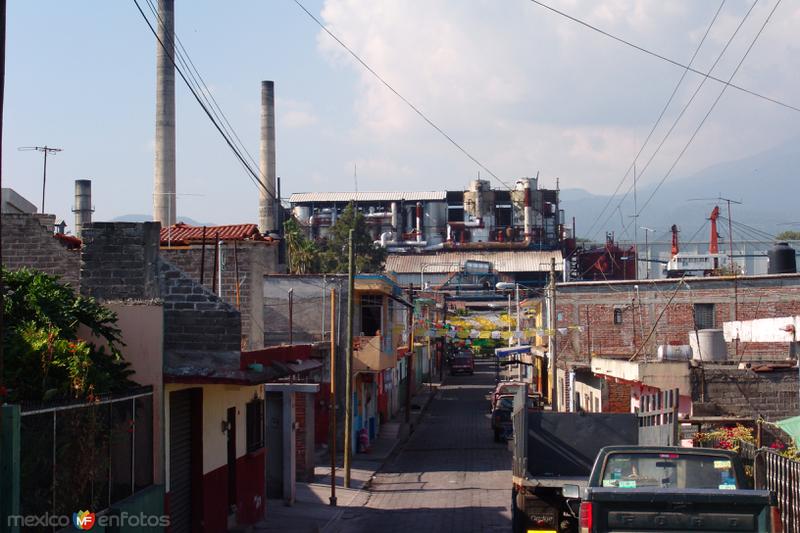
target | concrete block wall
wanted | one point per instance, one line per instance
(195, 319)
(592, 306)
(773, 395)
(254, 260)
(119, 260)
(28, 242)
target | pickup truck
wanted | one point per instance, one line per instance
(664, 488)
(551, 450)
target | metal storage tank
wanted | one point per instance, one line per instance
(302, 213)
(708, 345)
(782, 259)
(434, 222)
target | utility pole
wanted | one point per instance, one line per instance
(443, 353)
(348, 362)
(45, 150)
(552, 342)
(410, 355)
(291, 316)
(333, 399)
(647, 247)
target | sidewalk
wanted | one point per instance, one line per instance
(312, 511)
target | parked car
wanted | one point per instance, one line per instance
(462, 362)
(505, 387)
(502, 425)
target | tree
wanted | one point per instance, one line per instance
(303, 253)
(368, 256)
(788, 235)
(44, 359)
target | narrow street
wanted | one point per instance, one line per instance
(450, 475)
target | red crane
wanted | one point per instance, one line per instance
(713, 245)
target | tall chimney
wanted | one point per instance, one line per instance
(266, 192)
(83, 205)
(164, 187)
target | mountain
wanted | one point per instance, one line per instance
(148, 218)
(764, 184)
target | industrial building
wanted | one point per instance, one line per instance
(480, 217)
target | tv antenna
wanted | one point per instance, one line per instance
(45, 150)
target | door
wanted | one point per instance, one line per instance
(181, 446)
(231, 459)
(274, 421)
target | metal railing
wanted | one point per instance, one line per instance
(85, 455)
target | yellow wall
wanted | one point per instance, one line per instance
(216, 401)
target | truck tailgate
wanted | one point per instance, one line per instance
(679, 509)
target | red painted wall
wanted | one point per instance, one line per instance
(215, 500)
(250, 497)
(251, 486)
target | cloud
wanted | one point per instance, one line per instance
(523, 89)
(295, 114)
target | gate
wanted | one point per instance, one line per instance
(658, 419)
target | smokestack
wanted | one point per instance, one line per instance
(164, 190)
(83, 205)
(266, 193)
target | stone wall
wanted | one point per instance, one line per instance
(718, 390)
(195, 319)
(252, 260)
(639, 304)
(119, 260)
(28, 242)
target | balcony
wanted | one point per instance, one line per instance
(369, 354)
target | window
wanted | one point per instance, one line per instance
(618, 316)
(255, 424)
(704, 316)
(371, 313)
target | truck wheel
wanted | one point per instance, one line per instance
(518, 519)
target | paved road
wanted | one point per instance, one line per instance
(450, 475)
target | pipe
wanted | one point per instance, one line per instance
(266, 190)
(395, 217)
(378, 214)
(419, 221)
(527, 211)
(164, 207)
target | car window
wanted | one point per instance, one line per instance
(669, 470)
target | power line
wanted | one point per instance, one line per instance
(691, 99)
(400, 96)
(254, 177)
(713, 106)
(658, 120)
(664, 58)
(208, 96)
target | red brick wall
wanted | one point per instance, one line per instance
(619, 397)
(591, 306)
(300, 437)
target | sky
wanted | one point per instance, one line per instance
(520, 88)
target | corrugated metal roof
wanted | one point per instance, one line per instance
(388, 196)
(181, 232)
(502, 261)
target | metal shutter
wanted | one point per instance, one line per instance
(180, 461)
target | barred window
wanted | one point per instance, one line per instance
(704, 316)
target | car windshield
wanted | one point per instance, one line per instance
(669, 470)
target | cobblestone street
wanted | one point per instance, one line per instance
(450, 475)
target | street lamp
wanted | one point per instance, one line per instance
(507, 286)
